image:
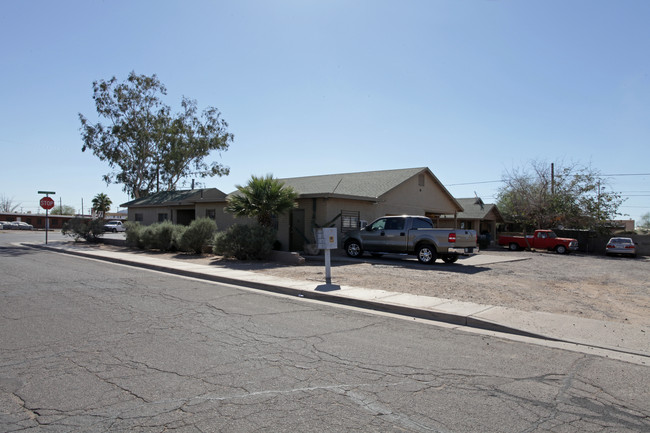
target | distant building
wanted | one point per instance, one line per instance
(38, 220)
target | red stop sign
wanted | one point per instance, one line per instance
(47, 203)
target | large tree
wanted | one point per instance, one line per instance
(149, 148)
(572, 196)
(262, 198)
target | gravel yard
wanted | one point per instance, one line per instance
(597, 287)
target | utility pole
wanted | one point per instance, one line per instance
(552, 178)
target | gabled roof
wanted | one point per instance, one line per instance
(369, 185)
(177, 198)
(475, 209)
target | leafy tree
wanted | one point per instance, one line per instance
(262, 198)
(7, 204)
(149, 148)
(102, 204)
(574, 196)
(63, 210)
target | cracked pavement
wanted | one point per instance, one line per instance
(90, 346)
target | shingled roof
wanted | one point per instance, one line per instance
(368, 185)
(184, 197)
(474, 208)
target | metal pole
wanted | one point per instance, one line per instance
(328, 267)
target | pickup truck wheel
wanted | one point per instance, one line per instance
(450, 259)
(353, 249)
(513, 247)
(561, 249)
(426, 254)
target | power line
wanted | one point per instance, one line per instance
(627, 174)
(474, 183)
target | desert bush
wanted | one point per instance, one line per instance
(245, 242)
(79, 228)
(134, 232)
(197, 237)
(168, 236)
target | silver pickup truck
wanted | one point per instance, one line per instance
(411, 235)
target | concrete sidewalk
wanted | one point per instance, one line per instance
(610, 339)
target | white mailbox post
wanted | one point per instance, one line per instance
(326, 240)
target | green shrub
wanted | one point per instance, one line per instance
(79, 228)
(134, 232)
(197, 237)
(168, 236)
(148, 237)
(245, 242)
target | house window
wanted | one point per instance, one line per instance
(349, 221)
(162, 217)
(211, 213)
(139, 217)
(421, 180)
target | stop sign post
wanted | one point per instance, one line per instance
(47, 203)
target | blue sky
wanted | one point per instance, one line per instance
(469, 88)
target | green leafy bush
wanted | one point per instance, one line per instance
(245, 242)
(197, 237)
(79, 228)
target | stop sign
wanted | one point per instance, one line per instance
(47, 203)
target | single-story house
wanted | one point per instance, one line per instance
(180, 207)
(348, 200)
(344, 201)
(476, 216)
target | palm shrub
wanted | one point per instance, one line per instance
(197, 237)
(262, 198)
(245, 242)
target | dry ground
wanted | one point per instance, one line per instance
(589, 286)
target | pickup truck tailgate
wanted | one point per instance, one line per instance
(465, 239)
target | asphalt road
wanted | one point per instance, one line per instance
(90, 346)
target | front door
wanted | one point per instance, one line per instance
(297, 230)
(185, 216)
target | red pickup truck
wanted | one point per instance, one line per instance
(541, 240)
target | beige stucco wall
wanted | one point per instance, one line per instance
(150, 214)
(410, 198)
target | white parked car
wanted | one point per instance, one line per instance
(114, 226)
(624, 246)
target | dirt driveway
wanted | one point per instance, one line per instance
(597, 287)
